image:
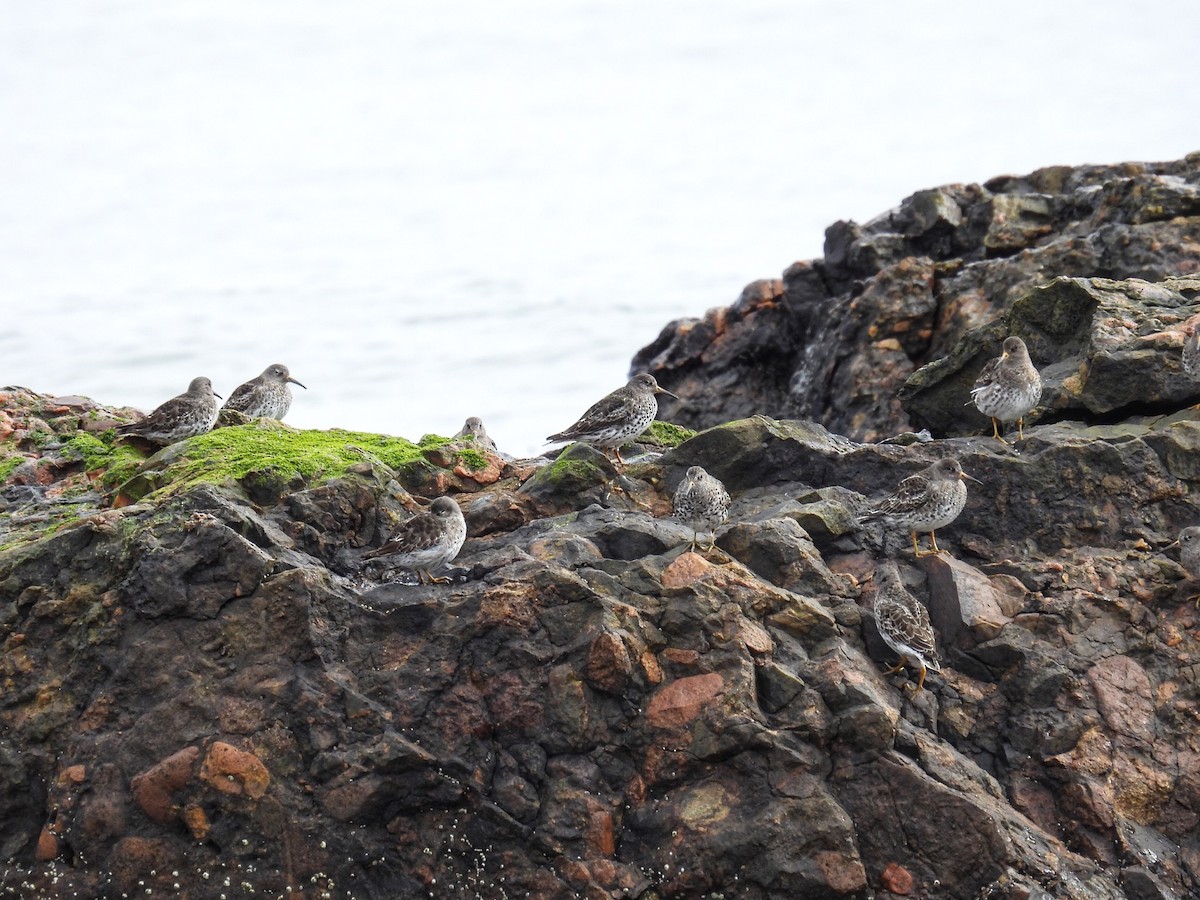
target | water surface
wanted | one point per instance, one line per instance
(431, 211)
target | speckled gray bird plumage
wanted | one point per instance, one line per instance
(474, 432)
(189, 414)
(929, 500)
(903, 623)
(427, 541)
(266, 396)
(1009, 387)
(702, 503)
(1189, 549)
(618, 418)
(1190, 358)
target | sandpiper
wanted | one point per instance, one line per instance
(702, 503)
(182, 417)
(904, 624)
(618, 418)
(1008, 387)
(266, 396)
(427, 541)
(1191, 350)
(474, 432)
(1189, 552)
(926, 501)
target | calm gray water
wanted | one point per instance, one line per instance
(430, 211)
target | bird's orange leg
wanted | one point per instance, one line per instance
(996, 430)
(920, 682)
(933, 540)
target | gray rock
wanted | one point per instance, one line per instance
(838, 338)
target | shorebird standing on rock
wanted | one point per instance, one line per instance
(702, 503)
(1008, 387)
(927, 501)
(904, 625)
(474, 431)
(1191, 350)
(265, 397)
(1189, 552)
(427, 541)
(181, 417)
(619, 418)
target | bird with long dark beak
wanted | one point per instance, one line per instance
(926, 501)
(265, 397)
(192, 413)
(619, 418)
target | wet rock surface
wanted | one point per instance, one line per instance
(205, 693)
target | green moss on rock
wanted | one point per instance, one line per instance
(268, 452)
(115, 461)
(8, 463)
(664, 434)
(572, 479)
(472, 459)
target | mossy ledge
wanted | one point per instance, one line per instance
(269, 453)
(61, 462)
(664, 434)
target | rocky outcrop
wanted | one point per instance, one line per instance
(836, 338)
(205, 693)
(203, 688)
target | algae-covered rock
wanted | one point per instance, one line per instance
(272, 459)
(578, 477)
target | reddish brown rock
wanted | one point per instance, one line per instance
(896, 879)
(103, 813)
(510, 606)
(600, 839)
(1123, 695)
(755, 637)
(154, 790)
(137, 863)
(488, 474)
(843, 874)
(681, 657)
(47, 845)
(687, 569)
(678, 703)
(234, 771)
(609, 666)
(72, 775)
(964, 607)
